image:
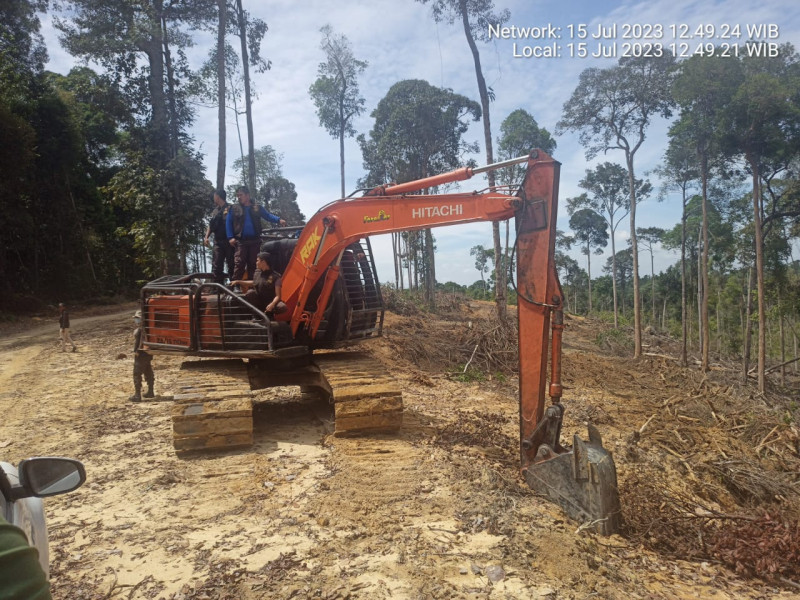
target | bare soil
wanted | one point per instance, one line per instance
(437, 510)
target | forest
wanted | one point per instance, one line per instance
(104, 188)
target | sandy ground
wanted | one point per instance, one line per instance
(435, 511)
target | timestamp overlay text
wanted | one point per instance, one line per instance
(621, 40)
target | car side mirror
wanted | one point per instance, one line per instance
(50, 475)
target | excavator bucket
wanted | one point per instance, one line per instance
(583, 482)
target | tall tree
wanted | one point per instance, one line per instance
(607, 195)
(335, 92)
(519, 134)
(481, 262)
(679, 171)
(222, 139)
(251, 32)
(649, 237)
(612, 109)
(418, 132)
(702, 88)
(591, 230)
(763, 114)
(475, 17)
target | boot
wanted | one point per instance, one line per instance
(149, 393)
(137, 395)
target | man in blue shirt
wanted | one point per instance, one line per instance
(243, 227)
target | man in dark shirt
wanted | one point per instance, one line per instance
(243, 228)
(223, 252)
(265, 287)
(63, 324)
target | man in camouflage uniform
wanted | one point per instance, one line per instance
(141, 364)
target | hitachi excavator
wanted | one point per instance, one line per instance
(331, 289)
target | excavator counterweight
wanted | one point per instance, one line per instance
(331, 289)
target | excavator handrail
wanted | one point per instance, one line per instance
(193, 293)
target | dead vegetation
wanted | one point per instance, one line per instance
(713, 472)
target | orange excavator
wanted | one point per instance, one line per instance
(331, 289)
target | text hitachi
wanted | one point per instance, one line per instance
(437, 211)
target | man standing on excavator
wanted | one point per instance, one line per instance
(223, 251)
(243, 227)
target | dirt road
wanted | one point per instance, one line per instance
(436, 511)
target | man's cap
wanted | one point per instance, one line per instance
(60, 304)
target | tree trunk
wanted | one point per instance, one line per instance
(782, 334)
(155, 83)
(704, 267)
(341, 157)
(614, 276)
(700, 291)
(748, 329)
(221, 140)
(719, 321)
(637, 309)
(762, 309)
(653, 285)
(589, 273)
(483, 92)
(248, 101)
(173, 109)
(430, 270)
(395, 256)
(684, 315)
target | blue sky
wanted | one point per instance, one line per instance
(400, 41)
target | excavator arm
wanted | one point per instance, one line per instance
(582, 480)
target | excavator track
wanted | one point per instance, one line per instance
(213, 406)
(365, 397)
(214, 401)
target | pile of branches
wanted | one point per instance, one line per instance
(490, 345)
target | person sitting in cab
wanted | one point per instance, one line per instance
(265, 288)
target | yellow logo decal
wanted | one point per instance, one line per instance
(382, 216)
(309, 246)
